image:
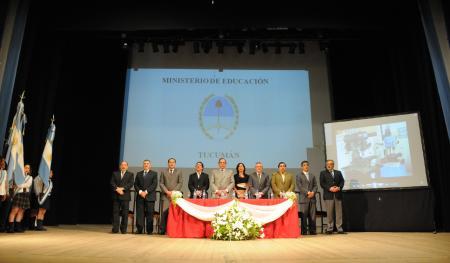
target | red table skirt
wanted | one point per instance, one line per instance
(181, 224)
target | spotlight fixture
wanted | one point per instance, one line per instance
(265, 48)
(206, 46)
(175, 47)
(220, 47)
(166, 47)
(277, 48)
(323, 46)
(252, 46)
(141, 46)
(292, 47)
(196, 47)
(301, 48)
(155, 47)
(240, 47)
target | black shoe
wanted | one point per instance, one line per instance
(313, 233)
(114, 231)
(328, 232)
(40, 226)
(10, 228)
(341, 232)
(138, 232)
(18, 227)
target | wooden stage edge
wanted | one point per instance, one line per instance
(94, 243)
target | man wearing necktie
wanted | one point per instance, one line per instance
(307, 185)
(222, 181)
(282, 181)
(198, 182)
(170, 180)
(145, 187)
(121, 183)
(259, 182)
(332, 183)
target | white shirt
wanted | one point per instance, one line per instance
(198, 175)
(3, 176)
(307, 175)
(27, 184)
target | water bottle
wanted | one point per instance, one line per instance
(204, 194)
(195, 194)
(271, 195)
(246, 195)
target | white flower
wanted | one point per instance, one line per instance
(238, 225)
(290, 195)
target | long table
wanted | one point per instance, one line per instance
(182, 225)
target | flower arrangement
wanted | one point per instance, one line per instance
(290, 195)
(175, 195)
(236, 223)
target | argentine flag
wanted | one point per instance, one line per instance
(14, 155)
(46, 161)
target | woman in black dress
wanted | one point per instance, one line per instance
(240, 181)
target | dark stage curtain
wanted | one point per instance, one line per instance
(81, 80)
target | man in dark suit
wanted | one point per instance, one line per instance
(307, 185)
(332, 183)
(259, 182)
(121, 183)
(198, 182)
(145, 186)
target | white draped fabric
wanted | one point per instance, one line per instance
(261, 213)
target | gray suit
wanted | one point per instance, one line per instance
(257, 184)
(221, 180)
(168, 182)
(307, 205)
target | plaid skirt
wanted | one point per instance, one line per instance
(22, 200)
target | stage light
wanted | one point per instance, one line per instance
(252, 45)
(240, 47)
(323, 46)
(206, 46)
(196, 47)
(292, 48)
(265, 48)
(141, 46)
(220, 47)
(277, 48)
(155, 47)
(301, 48)
(175, 47)
(166, 47)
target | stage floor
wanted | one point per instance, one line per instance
(94, 243)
